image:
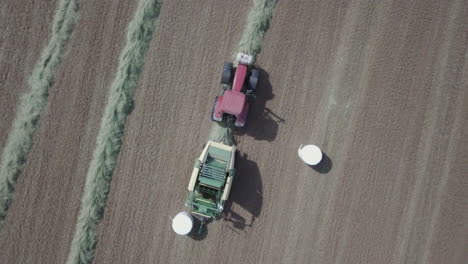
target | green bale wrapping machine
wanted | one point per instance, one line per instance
(211, 180)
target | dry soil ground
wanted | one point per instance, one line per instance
(381, 87)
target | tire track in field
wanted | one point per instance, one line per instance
(109, 139)
(27, 117)
(258, 21)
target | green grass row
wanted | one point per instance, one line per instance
(258, 21)
(31, 104)
(109, 140)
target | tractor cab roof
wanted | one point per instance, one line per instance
(233, 102)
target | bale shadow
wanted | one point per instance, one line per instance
(262, 122)
(247, 192)
(324, 166)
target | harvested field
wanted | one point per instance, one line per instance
(109, 139)
(381, 87)
(30, 31)
(32, 103)
(43, 215)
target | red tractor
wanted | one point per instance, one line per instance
(238, 91)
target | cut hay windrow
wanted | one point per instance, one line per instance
(221, 132)
(258, 21)
(31, 103)
(109, 139)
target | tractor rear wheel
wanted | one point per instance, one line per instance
(253, 80)
(227, 73)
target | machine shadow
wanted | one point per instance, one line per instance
(324, 166)
(195, 234)
(246, 192)
(262, 123)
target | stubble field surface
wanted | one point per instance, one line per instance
(381, 87)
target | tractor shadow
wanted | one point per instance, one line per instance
(262, 123)
(246, 192)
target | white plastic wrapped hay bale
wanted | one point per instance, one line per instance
(182, 223)
(310, 154)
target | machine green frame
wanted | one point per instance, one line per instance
(211, 180)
